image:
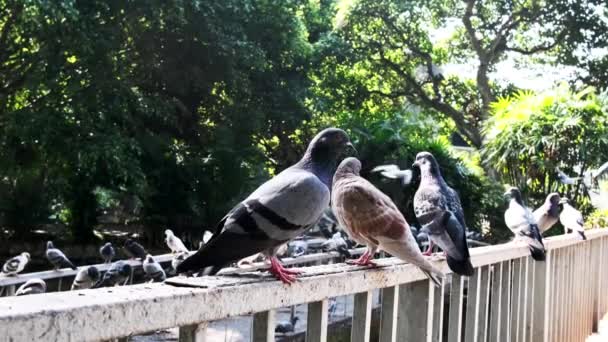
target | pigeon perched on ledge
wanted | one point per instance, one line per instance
(286, 327)
(16, 264)
(174, 243)
(134, 250)
(118, 274)
(32, 286)
(572, 219)
(57, 258)
(107, 252)
(521, 221)
(547, 214)
(439, 212)
(371, 218)
(85, 278)
(278, 211)
(153, 269)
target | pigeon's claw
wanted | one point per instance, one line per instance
(364, 260)
(429, 250)
(281, 273)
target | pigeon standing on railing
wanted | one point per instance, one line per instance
(85, 278)
(118, 274)
(547, 214)
(174, 243)
(278, 211)
(286, 327)
(572, 219)
(393, 172)
(153, 269)
(134, 250)
(336, 243)
(521, 221)
(16, 264)
(57, 258)
(371, 218)
(439, 212)
(32, 286)
(107, 252)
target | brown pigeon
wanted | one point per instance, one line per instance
(371, 218)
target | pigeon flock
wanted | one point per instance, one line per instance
(325, 182)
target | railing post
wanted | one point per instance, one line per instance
(496, 302)
(438, 307)
(516, 299)
(472, 322)
(316, 325)
(484, 301)
(388, 314)
(263, 326)
(505, 298)
(542, 291)
(414, 312)
(455, 318)
(193, 333)
(362, 317)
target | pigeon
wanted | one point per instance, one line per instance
(118, 273)
(565, 179)
(336, 243)
(134, 250)
(279, 210)
(107, 252)
(439, 212)
(297, 248)
(572, 219)
(57, 258)
(521, 221)
(371, 218)
(85, 278)
(16, 264)
(548, 213)
(32, 286)
(393, 172)
(153, 270)
(174, 243)
(286, 327)
(178, 259)
(332, 306)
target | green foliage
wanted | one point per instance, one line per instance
(597, 219)
(531, 135)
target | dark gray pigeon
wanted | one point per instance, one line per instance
(278, 211)
(153, 269)
(521, 221)
(16, 264)
(547, 214)
(32, 286)
(107, 252)
(134, 250)
(85, 278)
(118, 274)
(564, 178)
(439, 212)
(572, 219)
(393, 172)
(286, 327)
(57, 258)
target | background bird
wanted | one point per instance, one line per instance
(336, 243)
(85, 278)
(371, 218)
(565, 179)
(118, 273)
(439, 212)
(393, 172)
(57, 258)
(174, 243)
(32, 286)
(278, 211)
(297, 248)
(16, 264)
(286, 327)
(153, 269)
(107, 252)
(134, 250)
(572, 219)
(547, 214)
(521, 221)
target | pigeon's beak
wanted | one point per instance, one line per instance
(415, 165)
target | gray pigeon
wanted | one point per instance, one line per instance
(153, 270)
(134, 250)
(57, 258)
(564, 178)
(107, 252)
(85, 278)
(336, 243)
(118, 273)
(439, 212)
(32, 286)
(371, 218)
(393, 172)
(297, 248)
(16, 264)
(286, 327)
(548, 213)
(521, 221)
(572, 219)
(278, 211)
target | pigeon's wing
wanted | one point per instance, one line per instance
(454, 205)
(276, 212)
(518, 217)
(388, 171)
(57, 258)
(11, 265)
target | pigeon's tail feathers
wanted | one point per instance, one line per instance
(537, 253)
(462, 267)
(582, 233)
(69, 264)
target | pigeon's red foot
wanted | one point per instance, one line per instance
(281, 273)
(364, 260)
(429, 250)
